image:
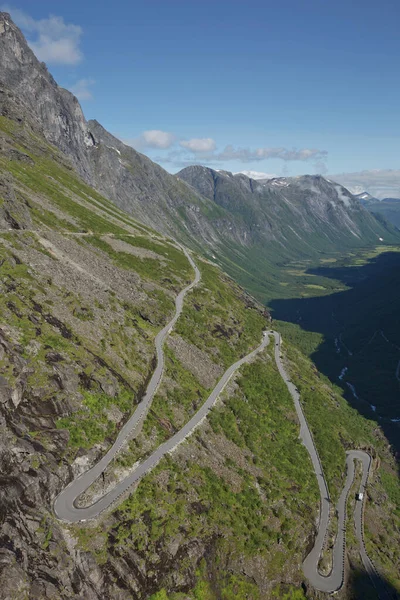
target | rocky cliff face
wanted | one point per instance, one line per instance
(202, 207)
(127, 177)
(56, 110)
(310, 206)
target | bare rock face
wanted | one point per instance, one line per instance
(56, 109)
(14, 213)
(279, 208)
(28, 540)
(38, 559)
(200, 206)
(196, 361)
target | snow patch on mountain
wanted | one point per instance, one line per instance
(280, 182)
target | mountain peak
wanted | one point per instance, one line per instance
(56, 110)
(5, 20)
(15, 51)
(209, 206)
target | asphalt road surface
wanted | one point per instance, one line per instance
(335, 579)
(65, 504)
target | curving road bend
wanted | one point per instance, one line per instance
(335, 580)
(65, 504)
(67, 497)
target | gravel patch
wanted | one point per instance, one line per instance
(121, 246)
(196, 361)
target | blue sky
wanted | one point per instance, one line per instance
(284, 87)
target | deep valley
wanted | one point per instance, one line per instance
(97, 242)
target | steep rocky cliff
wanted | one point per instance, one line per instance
(217, 211)
(318, 212)
(85, 288)
(127, 177)
(57, 112)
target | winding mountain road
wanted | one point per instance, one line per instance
(335, 579)
(65, 504)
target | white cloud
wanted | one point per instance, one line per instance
(259, 154)
(380, 183)
(256, 174)
(180, 158)
(204, 151)
(199, 145)
(81, 89)
(153, 138)
(52, 40)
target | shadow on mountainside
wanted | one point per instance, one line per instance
(360, 350)
(360, 587)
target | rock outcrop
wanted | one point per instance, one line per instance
(55, 109)
(201, 207)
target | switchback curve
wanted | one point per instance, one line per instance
(334, 581)
(65, 504)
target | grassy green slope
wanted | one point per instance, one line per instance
(355, 326)
(336, 428)
(241, 497)
(240, 493)
(232, 512)
(389, 209)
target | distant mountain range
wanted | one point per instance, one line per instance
(284, 219)
(86, 290)
(380, 183)
(389, 208)
(249, 226)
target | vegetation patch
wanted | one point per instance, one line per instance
(91, 425)
(217, 318)
(167, 274)
(269, 510)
